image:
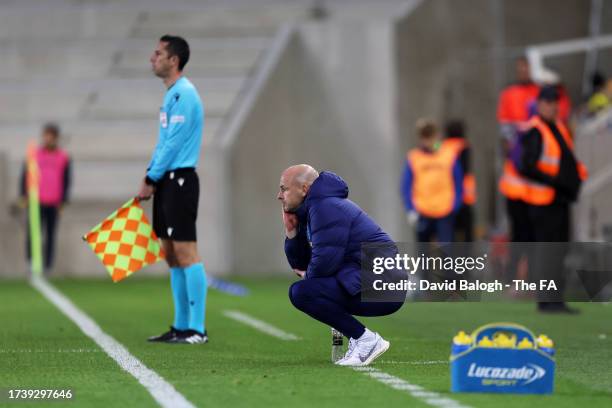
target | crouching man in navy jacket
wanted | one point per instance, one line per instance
(324, 232)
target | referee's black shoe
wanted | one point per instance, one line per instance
(190, 337)
(166, 337)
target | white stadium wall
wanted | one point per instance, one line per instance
(329, 103)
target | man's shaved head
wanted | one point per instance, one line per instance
(302, 173)
(294, 185)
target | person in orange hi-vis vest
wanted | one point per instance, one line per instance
(455, 139)
(55, 177)
(554, 176)
(432, 185)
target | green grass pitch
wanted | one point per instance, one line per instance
(41, 348)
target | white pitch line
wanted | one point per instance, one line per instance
(413, 362)
(259, 325)
(30, 351)
(428, 397)
(163, 392)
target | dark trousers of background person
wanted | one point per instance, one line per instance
(464, 224)
(441, 228)
(48, 221)
(550, 223)
(518, 215)
(325, 300)
(520, 231)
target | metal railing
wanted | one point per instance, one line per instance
(594, 146)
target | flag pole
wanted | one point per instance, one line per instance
(32, 183)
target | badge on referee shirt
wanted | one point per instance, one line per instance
(163, 119)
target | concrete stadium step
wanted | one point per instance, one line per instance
(105, 99)
(48, 58)
(66, 23)
(104, 176)
(116, 179)
(142, 21)
(209, 57)
(226, 83)
(218, 22)
(209, 63)
(41, 104)
(119, 179)
(93, 179)
(139, 103)
(105, 140)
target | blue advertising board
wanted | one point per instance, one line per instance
(495, 369)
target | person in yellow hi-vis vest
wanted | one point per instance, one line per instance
(432, 185)
(553, 177)
(464, 220)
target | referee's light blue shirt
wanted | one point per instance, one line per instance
(181, 120)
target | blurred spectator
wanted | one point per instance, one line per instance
(598, 80)
(432, 185)
(54, 184)
(512, 115)
(551, 78)
(554, 177)
(514, 100)
(455, 139)
(601, 98)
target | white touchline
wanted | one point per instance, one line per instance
(29, 351)
(428, 397)
(162, 391)
(413, 362)
(259, 325)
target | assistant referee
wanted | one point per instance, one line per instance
(173, 182)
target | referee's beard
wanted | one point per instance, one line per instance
(162, 73)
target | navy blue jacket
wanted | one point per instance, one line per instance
(330, 233)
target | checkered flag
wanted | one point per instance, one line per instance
(125, 241)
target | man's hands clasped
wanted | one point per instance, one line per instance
(290, 222)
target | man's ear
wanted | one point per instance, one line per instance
(175, 58)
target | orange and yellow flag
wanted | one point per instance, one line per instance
(125, 241)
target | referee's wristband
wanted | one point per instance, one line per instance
(149, 181)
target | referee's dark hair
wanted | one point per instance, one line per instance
(177, 46)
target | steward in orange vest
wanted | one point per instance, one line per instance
(548, 144)
(432, 185)
(554, 176)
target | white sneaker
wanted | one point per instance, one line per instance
(364, 351)
(351, 346)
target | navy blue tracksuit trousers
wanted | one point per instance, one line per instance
(325, 300)
(441, 228)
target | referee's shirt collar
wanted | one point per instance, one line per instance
(176, 82)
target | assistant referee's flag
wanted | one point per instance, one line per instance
(125, 241)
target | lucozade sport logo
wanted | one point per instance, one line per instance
(527, 373)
